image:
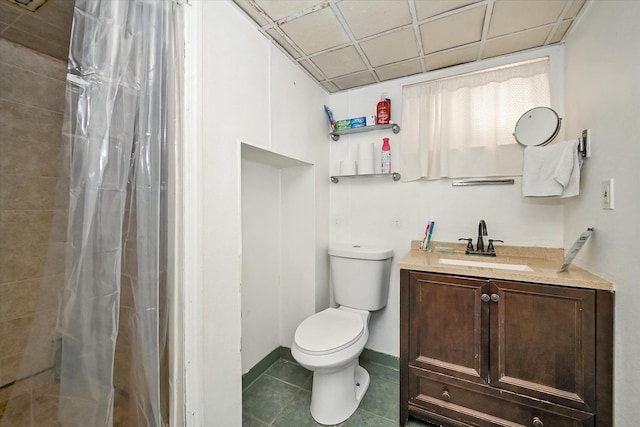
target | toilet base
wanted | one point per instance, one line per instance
(337, 394)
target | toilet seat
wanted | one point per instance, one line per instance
(329, 331)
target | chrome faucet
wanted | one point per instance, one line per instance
(482, 231)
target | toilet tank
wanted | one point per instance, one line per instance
(360, 275)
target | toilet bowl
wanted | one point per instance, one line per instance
(329, 344)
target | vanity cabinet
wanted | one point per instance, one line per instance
(493, 352)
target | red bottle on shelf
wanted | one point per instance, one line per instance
(383, 110)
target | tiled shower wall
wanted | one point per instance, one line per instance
(33, 203)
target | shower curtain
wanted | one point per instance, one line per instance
(120, 124)
(121, 62)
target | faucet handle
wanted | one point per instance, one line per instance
(491, 248)
(469, 243)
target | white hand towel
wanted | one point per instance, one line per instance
(572, 186)
(551, 171)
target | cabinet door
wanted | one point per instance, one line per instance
(448, 325)
(543, 342)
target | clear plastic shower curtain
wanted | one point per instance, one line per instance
(120, 66)
(105, 363)
(119, 85)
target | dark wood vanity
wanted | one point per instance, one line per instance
(479, 350)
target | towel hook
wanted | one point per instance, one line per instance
(584, 144)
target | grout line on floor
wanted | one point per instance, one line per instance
(300, 390)
(285, 382)
(285, 405)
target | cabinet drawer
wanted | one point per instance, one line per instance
(462, 403)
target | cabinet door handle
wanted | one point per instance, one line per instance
(446, 396)
(537, 422)
(495, 297)
(485, 298)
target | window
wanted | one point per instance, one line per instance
(463, 126)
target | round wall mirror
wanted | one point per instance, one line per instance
(537, 126)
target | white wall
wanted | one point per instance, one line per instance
(252, 93)
(300, 130)
(297, 254)
(602, 94)
(278, 252)
(249, 94)
(394, 213)
(260, 261)
(235, 92)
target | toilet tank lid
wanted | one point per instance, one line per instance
(360, 251)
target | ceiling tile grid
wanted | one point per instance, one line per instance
(344, 44)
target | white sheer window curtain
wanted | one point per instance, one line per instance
(463, 126)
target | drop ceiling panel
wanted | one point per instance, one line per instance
(428, 8)
(452, 57)
(560, 32)
(330, 87)
(339, 62)
(354, 80)
(278, 9)
(575, 7)
(401, 69)
(454, 30)
(510, 16)
(515, 42)
(357, 41)
(316, 31)
(350, 43)
(392, 47)
(374, 17)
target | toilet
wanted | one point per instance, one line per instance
(329, 343)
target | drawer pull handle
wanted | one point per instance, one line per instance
(537, 422)
(496, 298)
(446, 396)
(485, 298)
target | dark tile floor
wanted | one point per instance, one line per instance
(282, 395)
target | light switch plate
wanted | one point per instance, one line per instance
(606, 194)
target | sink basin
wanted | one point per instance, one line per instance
(468, 263)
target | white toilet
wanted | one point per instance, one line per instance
(329, 342)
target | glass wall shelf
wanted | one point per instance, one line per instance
(394, 175)
(335, 135)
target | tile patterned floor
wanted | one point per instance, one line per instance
(281, 397)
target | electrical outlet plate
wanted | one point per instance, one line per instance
(606, 194)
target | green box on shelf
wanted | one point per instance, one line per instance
(343, 124)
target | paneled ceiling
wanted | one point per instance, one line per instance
(345, 44)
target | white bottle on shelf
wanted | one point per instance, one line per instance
(385, 156)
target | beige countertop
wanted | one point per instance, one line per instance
(543, 261)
